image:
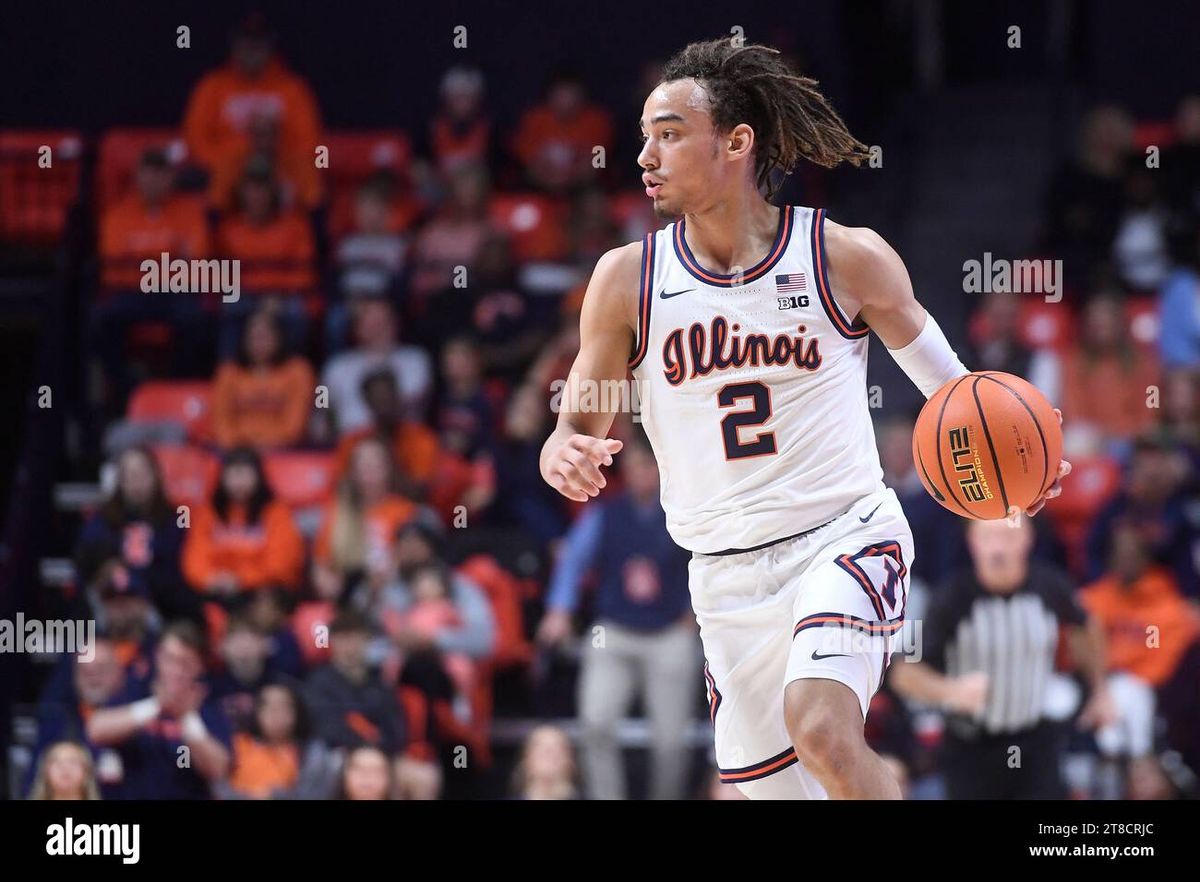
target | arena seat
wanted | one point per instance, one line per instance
(1153, 133)
(536, 225)
(356, 155)
(1093, 482)
(1045, 325)
(1145, 323)
(118, 155)
(187, 402)
(301, 478)
(504, 592)
(189, 473)
(34, 201)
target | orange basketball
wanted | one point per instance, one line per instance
(987, 441)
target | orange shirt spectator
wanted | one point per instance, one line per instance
(1129, 611)
(556, 140)
(253, 83)
(275, 248)
(380, 521)
(1104, 378)
(257, 554)
(148, 222)
(261, 769)
(414, 446)
(264, 399)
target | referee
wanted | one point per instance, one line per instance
(987, 652)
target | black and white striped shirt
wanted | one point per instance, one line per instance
(1011, 637)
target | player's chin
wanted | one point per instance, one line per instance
(666, 208)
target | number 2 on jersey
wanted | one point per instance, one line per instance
(759, 412)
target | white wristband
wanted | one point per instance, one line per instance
(193, 727)
(928, 360)
(144, 711)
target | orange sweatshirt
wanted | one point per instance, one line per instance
(270, 552)
(277, 256)
(259, 768)
(131, 233)
(414, 446)
(225, 100)
(267, 408)
(1127, 613)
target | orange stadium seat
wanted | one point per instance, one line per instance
(536, 225)
(1153, 133)
(1093, 482)
(1045, 325)
(187, 402)
(34, 201)
(633, 213)
(189, 473)
(118, 154)
(504, 591)
(301, 478)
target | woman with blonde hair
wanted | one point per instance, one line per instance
(65, 771)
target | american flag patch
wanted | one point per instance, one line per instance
(790, 282)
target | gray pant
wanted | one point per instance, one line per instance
(665, 666)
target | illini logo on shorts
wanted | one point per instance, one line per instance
(968, 466)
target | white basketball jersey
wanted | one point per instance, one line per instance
(752, 391)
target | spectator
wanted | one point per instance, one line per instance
(593, 230)
(1179, 299)
(453, 239)
(148, 731)
(376, 346)
(245, 540)
(1180, 421)
(65, 772)
(556, 141)
(359, 524)
(371, 259)
(254, 83)
(263, 398)
(464, 414)
(1085, 195)
(276, 758)
(131, 546)
(275, 246)
(1149, 629)
(347, 700)
(996, 345)
(245, 669)
(299, 184)
(267, 609)
(366, 775)
(546, 769)
(461, 132)
(147, 222)
(1140, 244)
(67, 701)
(532, 506)
(1106, 376)
(649, 645)
(989, 642)
(1155, 501)
(414, 447)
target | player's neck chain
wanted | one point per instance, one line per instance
(699, 350)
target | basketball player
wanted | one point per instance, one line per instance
(745, 325)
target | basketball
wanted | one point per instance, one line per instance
(987, 441)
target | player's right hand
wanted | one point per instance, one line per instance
(573, 467)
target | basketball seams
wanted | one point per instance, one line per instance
(937, 449)
(1037, 424)
(991, 447)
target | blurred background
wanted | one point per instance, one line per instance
(369, 592)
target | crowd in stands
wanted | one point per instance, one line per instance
(324, 536)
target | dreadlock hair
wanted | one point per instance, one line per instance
(791, 119)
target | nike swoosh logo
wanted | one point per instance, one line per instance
(663, 295)
(817, 657)
(871, 515)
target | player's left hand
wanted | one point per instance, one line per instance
(1055, 489)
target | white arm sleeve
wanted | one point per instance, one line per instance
(928, 360)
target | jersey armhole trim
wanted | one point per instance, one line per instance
(645, 300)
(855, 330)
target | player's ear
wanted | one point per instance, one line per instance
(739, 142)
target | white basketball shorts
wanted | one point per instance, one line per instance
(827, 604)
